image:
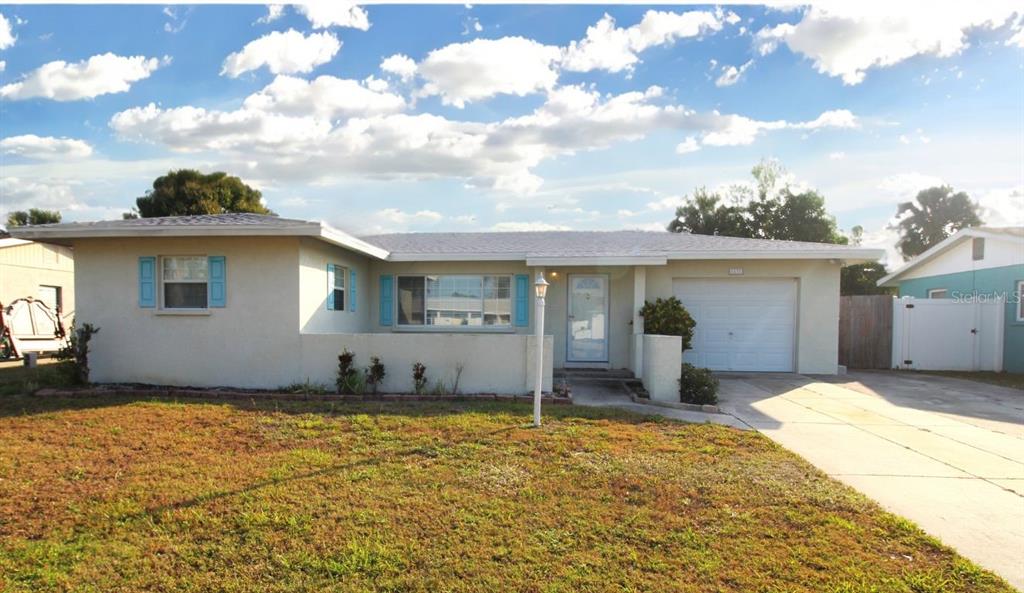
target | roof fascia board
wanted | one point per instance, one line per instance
(934, 251)
(864, 255)
(596, 261)
(342, 239)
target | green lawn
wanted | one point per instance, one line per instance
(120, 495)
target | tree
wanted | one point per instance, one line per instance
(862, 279)
(188, 192)
(704, 215)
(937, 214)
(33, 216)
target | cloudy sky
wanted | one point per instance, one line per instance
(459, 117)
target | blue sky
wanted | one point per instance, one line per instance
(456, 117)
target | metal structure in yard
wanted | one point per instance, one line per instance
(865, 331)
(28, 325)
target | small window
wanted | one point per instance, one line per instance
(51, 297)
(1020, 300)
(978, 248)
(184, 280)
(339, 288)
(937, 293)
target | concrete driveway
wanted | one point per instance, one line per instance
(945, 453)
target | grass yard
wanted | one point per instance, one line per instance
(117, 495)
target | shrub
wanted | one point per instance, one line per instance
(306, 388)
(375, 373)
(76, 353)
(419, 378)
(668, 317)
(697, 385)
(348, 380)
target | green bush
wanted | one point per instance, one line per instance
(697, 386)
(349, 381)
(419, 378)
(375, 373)
(668, 317)
(76, 354)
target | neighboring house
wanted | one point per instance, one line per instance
(981, 263)
(42, 271)
(259, 301)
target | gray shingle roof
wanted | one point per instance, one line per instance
(579, 244)
(231, 219)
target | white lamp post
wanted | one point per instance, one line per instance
(541, 287)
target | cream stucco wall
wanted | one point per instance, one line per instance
(313, 314)
(24, 268)
(661, 368)
(817, 341)
(252, 342)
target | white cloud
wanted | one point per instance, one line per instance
(7, 37)
(608, 47)
(289, 52)
(837, 156)
(834, 118)
(99, 75)
(904, 186)
(687, 146)
(20, 193)
(396, 216)
(731, 74)
(848, 39)
(1017, 39)
(400, 65)
(482, 68)
(325, 96)
(45, 147)
(335, 13)
(1002, 206)
(274, 12)
(513, 227)
(465, 219)
(669, 203)
(3, 65)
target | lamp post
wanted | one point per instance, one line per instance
(541, 288)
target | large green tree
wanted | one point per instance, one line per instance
(935, 214)
(704, 214)
(32, 216)
(188, 192)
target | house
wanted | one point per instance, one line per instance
(981, 263)
(259, 301)
(39, 270)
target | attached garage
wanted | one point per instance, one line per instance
(742, 324)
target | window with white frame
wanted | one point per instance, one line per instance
(338, 288)
(456, 300)
(184, 281)
(938, 293)
(1020, 300)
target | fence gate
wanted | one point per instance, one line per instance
(865, 331)
(947, 335)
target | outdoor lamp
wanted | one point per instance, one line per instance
(541, 287)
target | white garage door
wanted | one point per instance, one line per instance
(742, 325)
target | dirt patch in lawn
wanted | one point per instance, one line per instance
(114, 494)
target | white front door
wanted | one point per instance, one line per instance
(742, 324)
(588, 318)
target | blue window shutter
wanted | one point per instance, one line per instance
(147, 282)
(351, 290)
(387, 295)
(522, 300)
(217, 265)
(330, 287)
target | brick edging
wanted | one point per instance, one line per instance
(271, 396)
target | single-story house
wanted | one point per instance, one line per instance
(982, 263)
(42, 271)
(260, 301)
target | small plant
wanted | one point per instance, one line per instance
(375, 373)
(668, 317)
(76, 353)
(419, 378)
(439, 388)
(459, 367)
(348, 379)
(305, 388)
(697, 386)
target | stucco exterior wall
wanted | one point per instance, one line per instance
(24, 268)
(313, 290)
(661, 367)
(492, 363)
(252, 342)
(817, 343)
(985, 283)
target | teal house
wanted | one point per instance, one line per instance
(981, 263)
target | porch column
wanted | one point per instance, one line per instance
(639, 296)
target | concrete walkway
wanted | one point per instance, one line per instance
(610, 393)
(945, 453)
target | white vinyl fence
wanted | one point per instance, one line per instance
(947, 335)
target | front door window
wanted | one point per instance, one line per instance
(588, 319)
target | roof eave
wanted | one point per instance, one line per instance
(335, 237)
